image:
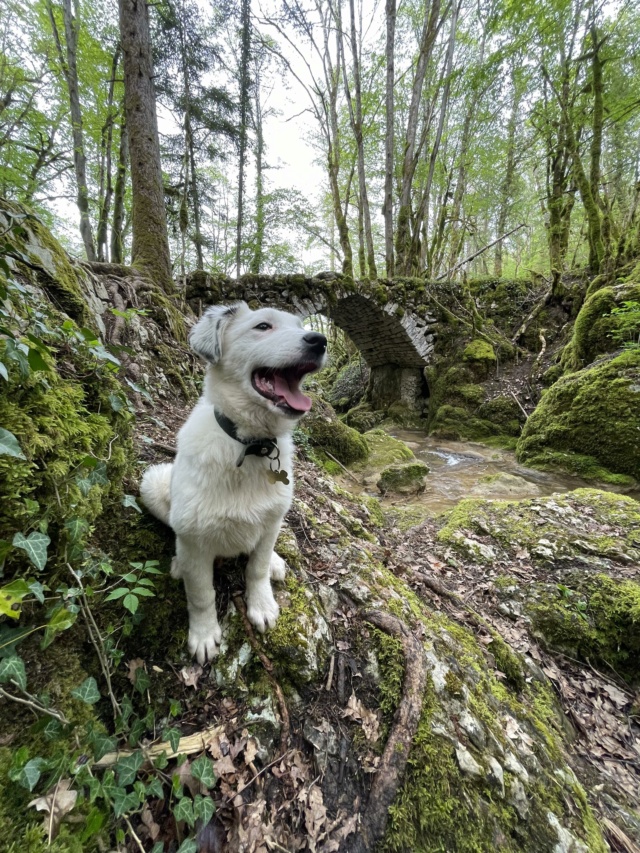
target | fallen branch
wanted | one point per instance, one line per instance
(531, 316)
(618, 839)
(472, 257)
(346, 470)
(241, 607)
(31, 702)
(522, 408)
(393, 761)
(166, 448)
(186, 746)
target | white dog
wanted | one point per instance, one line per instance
(230, 485)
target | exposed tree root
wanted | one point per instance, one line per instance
(241, 607)
(393, 762)
(528, 320)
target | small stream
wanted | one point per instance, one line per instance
(462, 469)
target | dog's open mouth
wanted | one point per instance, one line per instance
(282, 386)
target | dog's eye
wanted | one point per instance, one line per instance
(263, 327)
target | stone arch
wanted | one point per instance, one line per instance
(395, 339)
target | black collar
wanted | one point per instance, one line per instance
(267, 447)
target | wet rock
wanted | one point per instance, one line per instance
(404, 479)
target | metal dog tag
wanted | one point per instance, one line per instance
(278, 477)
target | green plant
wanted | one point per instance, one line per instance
(628, 331)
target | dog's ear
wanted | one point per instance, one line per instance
(206, 336)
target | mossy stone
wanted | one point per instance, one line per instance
(384, 450)
(592, 413)
(327, 434)
(362, 417)
(405, 479)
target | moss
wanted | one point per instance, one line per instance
(363, 418)
(479, 350)
(376, 515)
(390, 657)
(329, 435)
(405, 479)
(594, 618)
(593, 413)
(595, 325)
(349, 385)
(384, 450)
(504, 412)
(458, 424)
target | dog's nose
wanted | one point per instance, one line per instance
(316, 342)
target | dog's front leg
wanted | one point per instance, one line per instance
(194, 564)
(262, 608)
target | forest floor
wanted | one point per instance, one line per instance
(483, 586)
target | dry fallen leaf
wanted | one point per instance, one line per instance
(369, 719)
(134, 665)
(57, 803)
(191, 674)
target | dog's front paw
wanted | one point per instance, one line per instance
(262, 608)
(277, 567)
(204, 639)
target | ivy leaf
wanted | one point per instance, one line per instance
(98, 476)
(102, 745)
(9, 445)
(11, 597)
(128, 767)
(30, 773)
(123, 802)
(12, 669)
(129, 500)
(76, 527)
(142, 680)
(4, 372)
(184, 811)
(38, 590)
(35, 544)
(88, 691)
(60, 621)
(154, 789)
(116, 402)
(202, 770)
(53, 729)
(173, 736)
(158, 847)
(204, 808)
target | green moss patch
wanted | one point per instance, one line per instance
(593, 413)
(405, 479)
(328, 435)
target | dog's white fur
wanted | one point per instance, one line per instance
(216, 508)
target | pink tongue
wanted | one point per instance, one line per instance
(295, 398)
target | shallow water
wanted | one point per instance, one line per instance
(462, 469)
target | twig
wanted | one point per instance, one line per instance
(537, 308)
(522, 409)
(187, 745)
(253, 778)
(32, 702)
(330, 676)
(96, 642)
(167, 448)
(346, 470)
(51, 813)
(393, 761)
(284, 711)
(134, 836)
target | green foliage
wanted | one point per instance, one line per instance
(628, 331)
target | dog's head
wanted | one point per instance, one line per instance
(265, 354)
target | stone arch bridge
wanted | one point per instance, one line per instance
(390, 322)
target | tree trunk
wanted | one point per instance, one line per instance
(68, 63)
(258, 249)
(150, 241)
(430, 29)
(387, 209)
(117, 226)
(106, 146)
(244, 115)
(506, 188)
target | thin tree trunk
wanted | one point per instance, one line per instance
(150, 241)
(389, 142)
(117, 227)
(68, 62)
(244, 114)
(432, 24)
(106, 182)
(506, 188)
(258, 249)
